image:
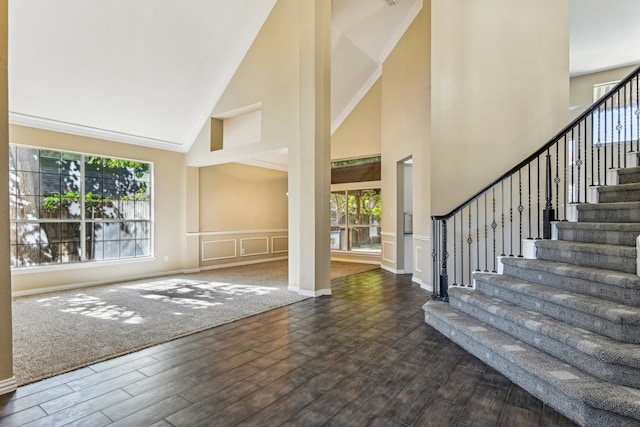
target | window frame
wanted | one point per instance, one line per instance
(82, 220)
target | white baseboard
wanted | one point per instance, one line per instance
(89, 284)
(139, 277)
(240, 264)
(391, 270)
(313, 294)
(8, 386)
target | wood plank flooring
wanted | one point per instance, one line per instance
(363, 356)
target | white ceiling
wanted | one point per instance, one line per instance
(604, 34)
(150, 72)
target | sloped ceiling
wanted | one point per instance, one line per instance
(149, 72)
(146, 71)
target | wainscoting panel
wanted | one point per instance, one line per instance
(418, 259)
(239, 247)
(279, 244)
(218, 249)
(389, 252)
(254, 246)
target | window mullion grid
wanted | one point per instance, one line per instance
(83, 224)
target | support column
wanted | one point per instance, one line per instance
(310, 156)
(7, 381)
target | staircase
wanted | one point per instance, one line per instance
(566, 325)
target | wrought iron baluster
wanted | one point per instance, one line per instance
(434, 255)
(598, 147)
(538, 195)
(549, 214)
(573, 162)
(586, 158)
(455, 266)
(557, 178)
(637, 115)
(502, 216)
(470, 242)
(529, 198)
(494, 226)
(461, 247)
(486, 238)
(565, 167)
(592, 159)
(520, 209)
(625, 124)
(477, 234)
(579, 165)
(511, 215)
(618, 126)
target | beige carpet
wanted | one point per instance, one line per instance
(62, 331)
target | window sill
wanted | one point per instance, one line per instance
(19, 271)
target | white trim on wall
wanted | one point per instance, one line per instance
(417, 254)
(222, 233)
(235, 249)
(7, 386)
(393, 252)
(273, 245)
(244, 253)
(241, 263)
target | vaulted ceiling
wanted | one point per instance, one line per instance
(150, 72)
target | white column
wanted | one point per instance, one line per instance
(310, 156)
(7, 381)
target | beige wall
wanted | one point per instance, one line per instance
(359, 133)
(7, 383)
(236, 197)
(405, 132)
(269, 74)
(169, 204)
(500, 89)
(582, 87)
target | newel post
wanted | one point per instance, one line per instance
(444, 278)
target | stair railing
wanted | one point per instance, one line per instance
(520, 205)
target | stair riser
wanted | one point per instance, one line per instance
(525, 378)
(595, 214)
(625, 375)
(585, 287)
(605, 261)
(618, 196)
(607, 237)
(629, 178)
(599, 325)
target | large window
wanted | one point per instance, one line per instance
(69, 207)
(355, 220)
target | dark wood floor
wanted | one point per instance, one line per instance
(361, 357)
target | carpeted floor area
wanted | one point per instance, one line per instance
(58, 332)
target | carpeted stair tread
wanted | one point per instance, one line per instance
(607, 284)
(608, 318)
(609, 212)
(619, 193)
(613, 257)
(599, 232)
(603, 357)
(578, 395)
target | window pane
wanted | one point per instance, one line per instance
(143, 247)
(143, 209)
(27, 159)
(365, 239)
(339, 239)
(338, 208)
